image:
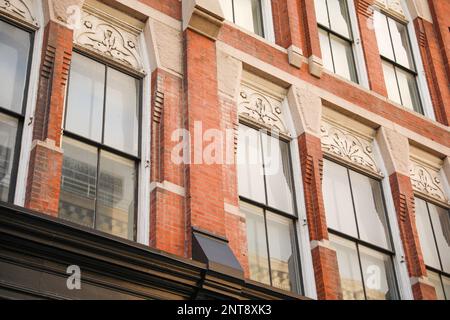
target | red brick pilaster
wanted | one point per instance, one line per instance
(205, 199)
(369, 43)
(326, 268)
(287, 23)
(46, 156)
(167, 219)
(435, 65)
(403, 196)
(310, 30)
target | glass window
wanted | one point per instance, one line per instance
(356, 217)
(267, 199)
(15, 47)
(8, 135)
(101, 148)
(435, 279)
(398, 63)
(433, 226)
(245, 13)
(85, 97)
(336, 37)
(338, 199)
(370, 211)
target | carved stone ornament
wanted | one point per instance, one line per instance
(393, 6)
(427, 181)
(343, 144)
(109, 39)
(262, 109)
(21, 9)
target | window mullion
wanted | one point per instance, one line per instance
(398, 85)
(104, 104)
(97, 183)
(361, 270)
(434, 237)
(353, 203)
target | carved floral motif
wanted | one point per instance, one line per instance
(427, 181)
(349, 147)
(109, 40)
(261, 109)
(392, 5)
(19, 8)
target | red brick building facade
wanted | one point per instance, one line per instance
(356, 89)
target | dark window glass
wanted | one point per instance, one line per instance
(336, 37)
(267, 194)
(245, 13)
(101, 148)
(356, 216)
(15, 47)
(398, 64)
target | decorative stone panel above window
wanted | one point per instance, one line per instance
(109, 37)
(426, 178)
(392, 7)
(261, 103)
(20, 10)
(347, 145)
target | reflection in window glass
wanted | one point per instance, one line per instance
(435, 279)
(321, 12)
(349, 270)
(378, 273)
(382, 33)
(78, 183)
(370, 211)
(400, 41)
(278, 174)
(446, 282)
(343, 58)
(338, 199)
(116, 192)
(440, 219)
(283, 262)
(391, 82)
(326, 50)
(121, 115)
(339, 19)
(14, 55)
(250, 168)
(408, 90)
(8, 134)
(85, 98)
(245, 13)
(425, 231)
(257, 243)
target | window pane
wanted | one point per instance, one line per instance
(279, 184)
(446, 286)
(78, 183)
(121, 115)
(349, 270)
(247, 14)
(116, 192)
(391, 82)
(408, 90)
(250, 169)
(343, 57)
(14, 56)
(85, 98)
(8, 135)
(283, 260)
(227, 8)
(441, 226)
(321, 12)
(339, 18)
(382, 34)
(436, 280)
(400, 39)
(425, 232)
(379, 277)
(326, 50)
(257, 243)
(338, 199)
(370, 210)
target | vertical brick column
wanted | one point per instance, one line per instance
(286, 17)
(44, 175)
(167, 195)
(369, 43)
(325, 263)
(395, 151)
(202, 21)
(310, 32)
